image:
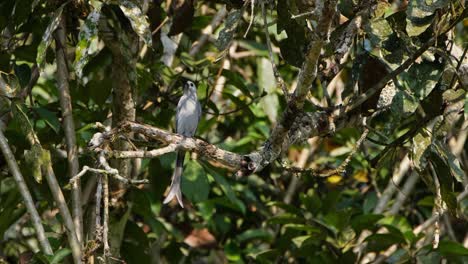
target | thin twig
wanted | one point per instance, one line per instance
(252, 16)
(112, 172)
(344, 164)
(24, 191)
(207, 31)
(279, 79)
(313, 15)
(392, 185)
(105, 230)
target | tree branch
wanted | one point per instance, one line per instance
(68, 125)
(24, 191)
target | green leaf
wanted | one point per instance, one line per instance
(230, 26)
(302, 227)
(365, 221)
(138, 20)
(195, 184)
(379, 242)
(23, 72)
(251, 234)
(445, 179)
(303, 240)
(48, 35)
(237, 81)
(448, 248)
(49, 117)
(226, 187)
(60, 255)
(87, 41)
(451, 160)
(285, 219)
(286, 207)
(420, 144)
(420, 14)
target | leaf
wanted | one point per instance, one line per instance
(365, 221)
(301, 227)
(451, 160)
(230, 26)
(379, 242)
(420, 144)
(23, 72)
(226, 187)
(445, 179)
(48, 35)
(60, 255)
(448, 248)
(195, 184)
(138, 20)
(87, 41)
(49, 117)
(303, 240)
(237, 81)
(420, 14)
(251, 234)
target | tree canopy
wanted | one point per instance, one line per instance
(331, 131)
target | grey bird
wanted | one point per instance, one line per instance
(187, 118)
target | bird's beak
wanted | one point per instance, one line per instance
(185, 86)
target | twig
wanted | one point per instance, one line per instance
(63, 209)
(252, 16)
(98, 235)
(108, 170)
(313, 15)
(112, 172)
(24, 191)
(105, 230)
(406, 190)
(207, 31)
(438, 208)
(141, 153)
(344, 164)
(68, 125)
(392, 185)
(279, 79)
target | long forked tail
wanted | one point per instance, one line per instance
(174, 190)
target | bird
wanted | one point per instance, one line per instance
(186, 122)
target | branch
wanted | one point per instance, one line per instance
(279, 79)
(24, 191)
(206, 32)
(68, 125)
(110, 171)
(273, 147)
(63, 209)
(342, 168)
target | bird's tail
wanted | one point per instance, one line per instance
(174, 190)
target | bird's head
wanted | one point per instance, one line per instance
(189, 87)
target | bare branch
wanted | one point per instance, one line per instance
(68, 125)
(342, 168)
(105, 229)
(63, 209)
(23, 189)
(110, 171)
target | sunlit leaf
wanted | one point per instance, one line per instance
(48, 34)
(138, 20)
